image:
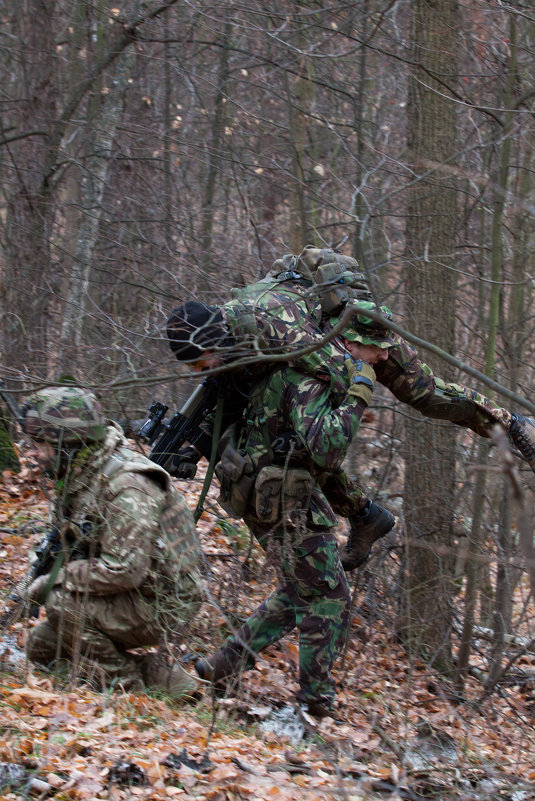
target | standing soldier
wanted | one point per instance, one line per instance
(127, 573)
(280, 316)
(290, 437)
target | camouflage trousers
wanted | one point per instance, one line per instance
(343, 493)
(314, 596)
(95, 633)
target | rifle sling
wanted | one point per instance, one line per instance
(213, 458)
(52, 576)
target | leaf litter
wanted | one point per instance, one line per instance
(397, 732)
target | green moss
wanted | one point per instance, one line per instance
(8, 458)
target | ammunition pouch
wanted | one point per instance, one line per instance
(281, 494)
(235, 474)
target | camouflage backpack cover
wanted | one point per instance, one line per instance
(284, 312)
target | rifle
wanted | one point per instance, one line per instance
(167, 437)
(45, 556)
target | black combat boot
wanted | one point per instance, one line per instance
(522, 435)
(372, 524)
(226, 663)
(318, 709)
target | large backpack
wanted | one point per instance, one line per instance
(284, 312)
(333, 278)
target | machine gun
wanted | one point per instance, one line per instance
(167, 437)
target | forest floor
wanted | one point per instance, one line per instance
(400, 730)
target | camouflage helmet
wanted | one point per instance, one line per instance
(64, 415)
(366, 330)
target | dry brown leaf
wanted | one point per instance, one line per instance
(33, 694)
(223, 772)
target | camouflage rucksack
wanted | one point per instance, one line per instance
(334, 278)
(283, 312)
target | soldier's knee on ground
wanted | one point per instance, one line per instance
(41, 646)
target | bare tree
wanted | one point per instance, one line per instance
(431, 230)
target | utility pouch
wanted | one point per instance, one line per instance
(268, 492)
(235, 474)
(280, 492)
(298, 485)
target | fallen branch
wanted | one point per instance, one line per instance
(482, 633)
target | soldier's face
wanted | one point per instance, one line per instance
(372, 354)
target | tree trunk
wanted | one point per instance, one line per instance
(431, 230)
(475, 576)
(300, 98)
(30, 209)
(215, 155)
(101, 123)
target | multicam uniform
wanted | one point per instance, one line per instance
(313, 594)
(133, 577)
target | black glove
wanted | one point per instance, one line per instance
(184, 464)
(522, 436)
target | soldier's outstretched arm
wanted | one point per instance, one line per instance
(414, 383)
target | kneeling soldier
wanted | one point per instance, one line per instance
(127, 572)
